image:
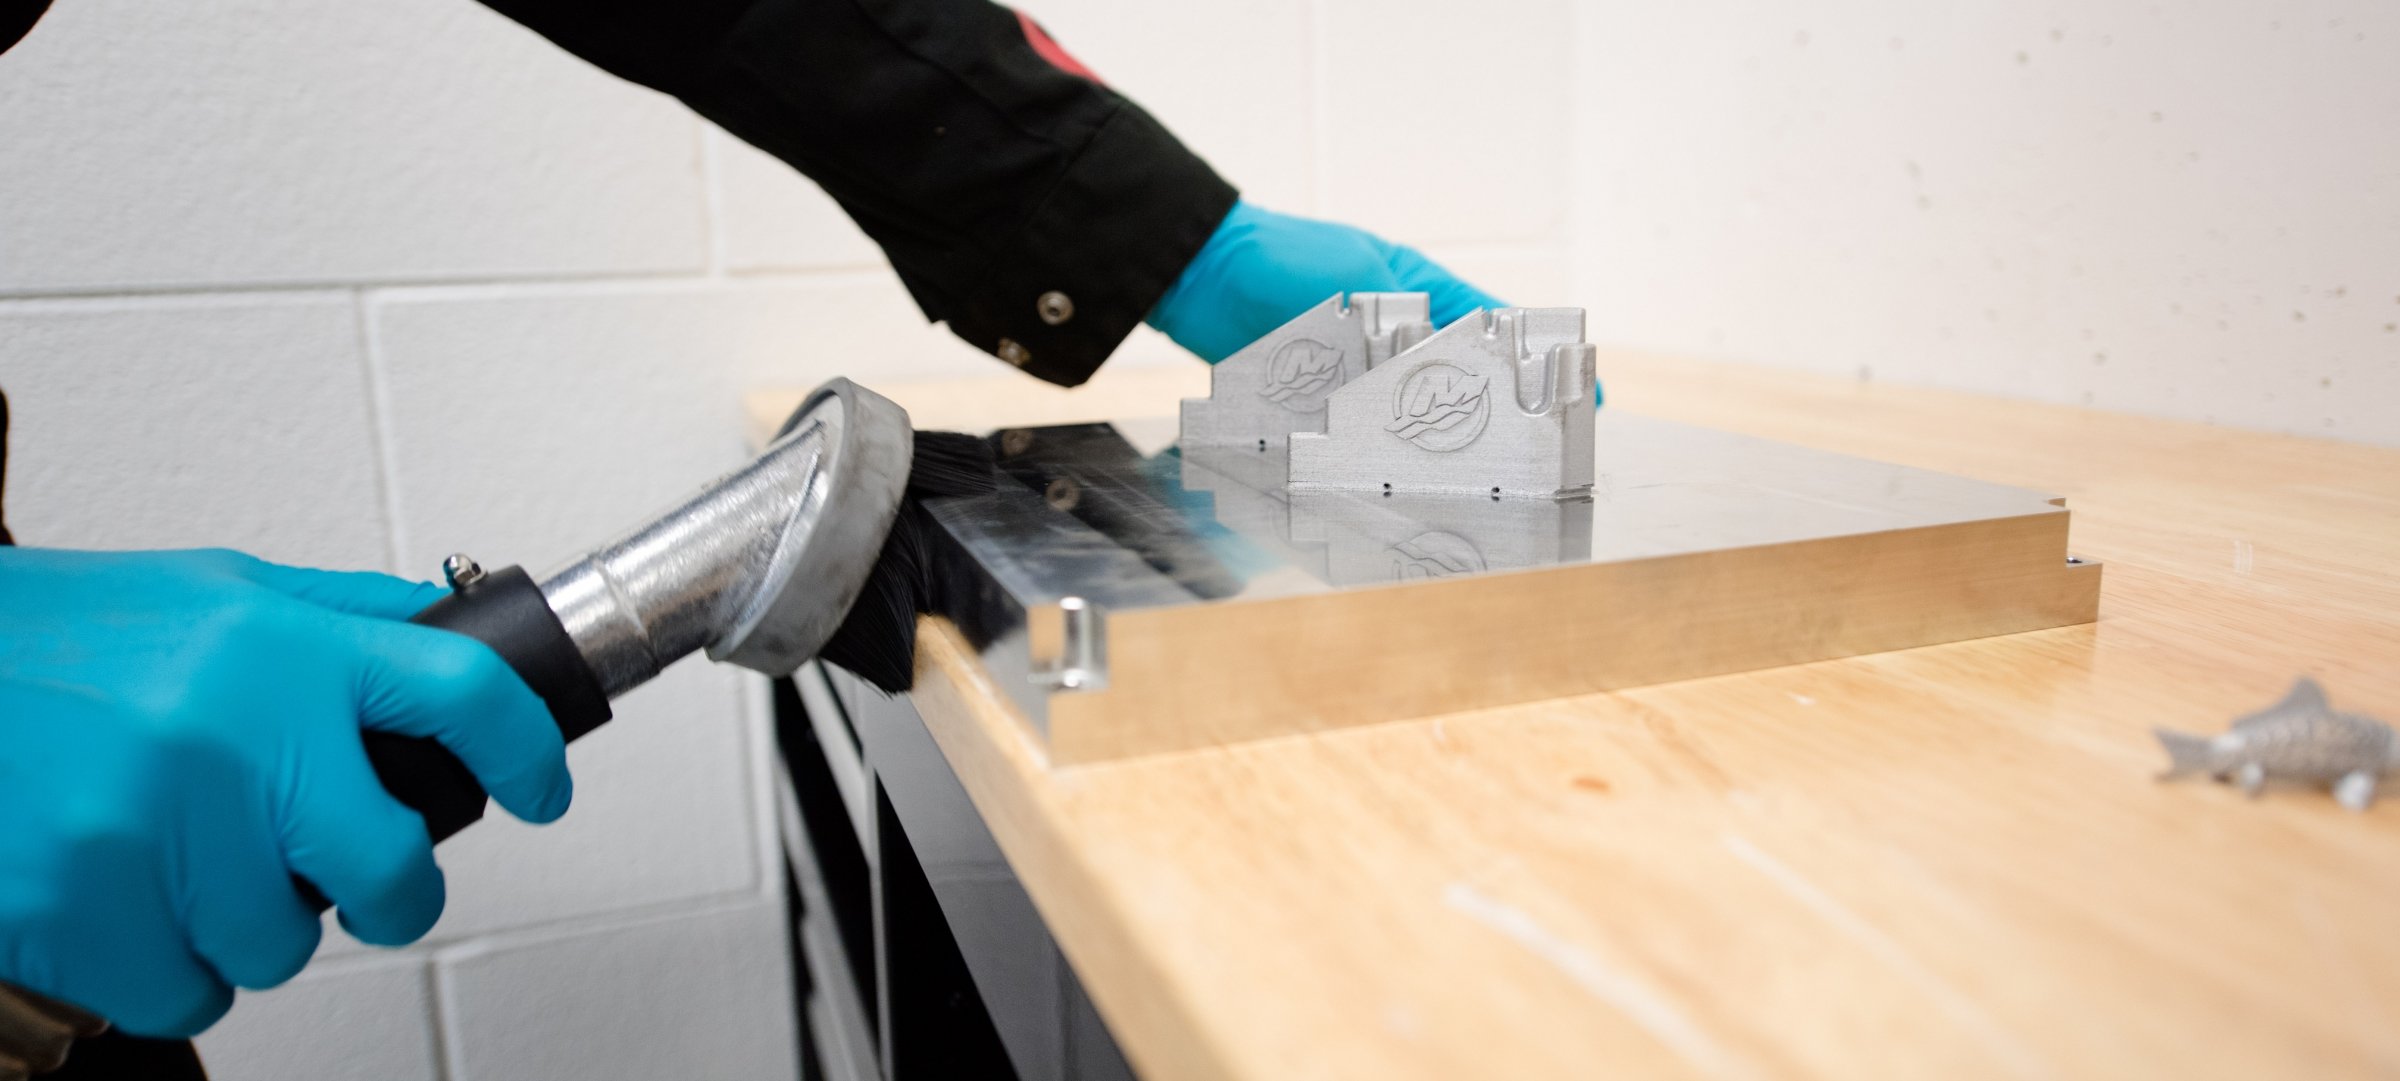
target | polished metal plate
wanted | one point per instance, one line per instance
(1135, 596)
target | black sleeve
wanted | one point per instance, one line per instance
(5, 539)
(1036, 211)
(17, 18)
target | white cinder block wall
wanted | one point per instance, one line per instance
(359, 285)
(2183, 209)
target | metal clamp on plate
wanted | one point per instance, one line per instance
(1497, 404)
(1278, 384)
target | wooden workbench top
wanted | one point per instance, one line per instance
(1946, 862)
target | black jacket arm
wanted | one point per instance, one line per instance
(997, 180)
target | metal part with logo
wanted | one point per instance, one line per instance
(1496, 404)
(1278, 385)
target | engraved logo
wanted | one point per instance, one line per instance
(1301, 373)
(1435, 555)
(1440, 408)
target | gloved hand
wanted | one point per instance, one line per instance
(1262, 268)
(179, 736)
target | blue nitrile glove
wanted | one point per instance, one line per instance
(179, 736)
(1262, 268)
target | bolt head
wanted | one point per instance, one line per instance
(461, 570)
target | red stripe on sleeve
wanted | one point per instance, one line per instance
(1049, 49)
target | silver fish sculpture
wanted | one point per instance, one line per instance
(2301, 738)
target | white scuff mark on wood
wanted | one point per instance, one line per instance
(2004, 1046)
(2241, 557)
(1803, 699)
(1441, 735)
(1647, 1009)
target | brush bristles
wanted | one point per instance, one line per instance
(877, 640)
(951, 463)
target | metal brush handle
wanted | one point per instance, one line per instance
(758, 567)
(502, 609)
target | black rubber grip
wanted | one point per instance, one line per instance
(505, 610)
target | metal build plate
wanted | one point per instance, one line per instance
(1134, 597)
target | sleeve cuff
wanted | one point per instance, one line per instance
(1107, 242)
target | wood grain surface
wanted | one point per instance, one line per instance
(1952, 861)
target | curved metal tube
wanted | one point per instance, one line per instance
(760, 565)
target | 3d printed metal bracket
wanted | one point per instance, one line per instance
(1278, 384)
(1496, 404)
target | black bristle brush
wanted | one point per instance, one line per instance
(877, 640)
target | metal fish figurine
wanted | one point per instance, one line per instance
(2300, 738)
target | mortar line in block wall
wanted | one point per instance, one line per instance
(757, 714)
(382, 437)
(237, 293)
(614, 287)
(64, 303)
(446, 1066)
(580, 923)
(450, 953)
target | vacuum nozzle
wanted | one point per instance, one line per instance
(759, 566)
